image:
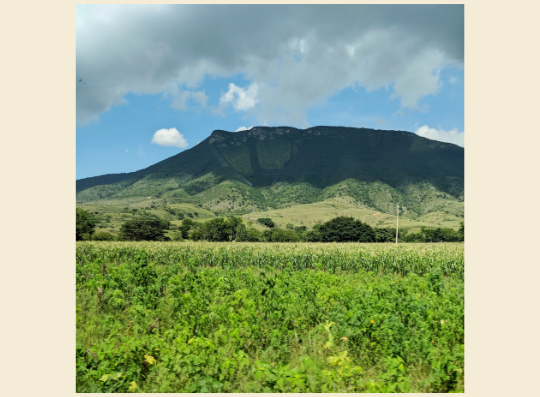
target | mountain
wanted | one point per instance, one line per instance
(266, 168)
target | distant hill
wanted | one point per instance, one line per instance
(267, 168)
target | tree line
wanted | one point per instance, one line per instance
(339, 229)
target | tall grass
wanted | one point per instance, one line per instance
(403, 259)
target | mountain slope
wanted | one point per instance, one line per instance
(274, 167)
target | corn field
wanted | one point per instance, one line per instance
(335, 257)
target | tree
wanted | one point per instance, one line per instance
(313, 236)
(220, 229)
(252, 235)
(462, 231)
(187, 225)
(144, 229)
(344, 228)
(85, 224)
(266, 222)
(433, 236)
(385, 235)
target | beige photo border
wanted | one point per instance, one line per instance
(38, 169)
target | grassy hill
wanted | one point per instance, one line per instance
(278, 172)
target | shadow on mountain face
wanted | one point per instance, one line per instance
(320, 156)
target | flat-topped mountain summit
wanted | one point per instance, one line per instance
(275, 167)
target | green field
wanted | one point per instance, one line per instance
(310, 214)
(111, 213)
(267, 317)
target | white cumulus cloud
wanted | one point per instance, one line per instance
(243, 128)
(241, 99)
(169, 137)
(452, 136)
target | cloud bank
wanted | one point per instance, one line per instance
(452, 136)
(169, 137)
(295, 57)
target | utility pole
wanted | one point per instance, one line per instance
(397, 224)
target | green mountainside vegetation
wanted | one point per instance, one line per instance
(292, 176)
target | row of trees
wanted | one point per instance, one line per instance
(436, 235)
(340, 229)
(142, 228)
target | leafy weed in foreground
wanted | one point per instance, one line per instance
(156, 321)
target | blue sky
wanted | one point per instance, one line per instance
(153, 86)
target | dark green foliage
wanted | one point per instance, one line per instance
(462, 231)
(437, 235)
(282, 236)
(220, 229)
(312, 236)
(266, 235)
(251, 235)
(266, 222)
(144, 229)
(85, 224)
(187, 225)
(342, 229)
(385, 235)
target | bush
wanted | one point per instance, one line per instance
(282, 236)
(266, 222)
(103, 236)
